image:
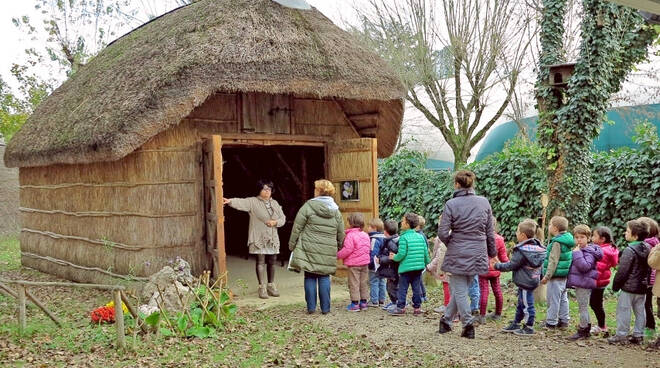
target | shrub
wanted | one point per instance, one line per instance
(626, 185)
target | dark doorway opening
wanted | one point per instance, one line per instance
(292, 169)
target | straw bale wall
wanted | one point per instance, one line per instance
(128, 217)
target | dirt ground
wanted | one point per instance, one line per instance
(284, 335)
(491, 347)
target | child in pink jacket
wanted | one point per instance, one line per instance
(355, 254)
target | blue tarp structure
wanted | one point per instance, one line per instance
(618, 129)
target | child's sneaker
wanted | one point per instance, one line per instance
(511, 327)
(617, 339)
(373, 305)
(595, 330)
(363, 306)
(493, 316)
(525, 331)
(418, 311)
(353, 307)
(636, 340)
(396, 311)
(441, 309)
(562, 324)
(388, 306)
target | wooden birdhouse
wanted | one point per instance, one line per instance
(560, 74)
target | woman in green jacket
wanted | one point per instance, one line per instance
(317, 235)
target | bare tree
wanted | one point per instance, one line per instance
(453, 59)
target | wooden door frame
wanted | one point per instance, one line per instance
(216, 142)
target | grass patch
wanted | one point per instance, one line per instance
(10, 253)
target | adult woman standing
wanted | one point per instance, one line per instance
(265, 217)
(317, 235)
(467, 230)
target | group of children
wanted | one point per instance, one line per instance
(384, 261)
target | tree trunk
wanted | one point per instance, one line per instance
(461, 156)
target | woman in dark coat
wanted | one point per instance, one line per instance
(467, 230)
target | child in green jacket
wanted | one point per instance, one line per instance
(412, 256)
(559, 255)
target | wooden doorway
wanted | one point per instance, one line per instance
(354, 161)
(292, 169)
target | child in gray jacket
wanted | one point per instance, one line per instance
(526, 261)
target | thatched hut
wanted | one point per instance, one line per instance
(121, 168)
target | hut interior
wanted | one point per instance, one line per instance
(291, 168)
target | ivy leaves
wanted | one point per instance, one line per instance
(626, 184)
(614, 39)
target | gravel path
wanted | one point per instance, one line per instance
(490, 347)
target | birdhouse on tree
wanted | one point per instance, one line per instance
(560, 74)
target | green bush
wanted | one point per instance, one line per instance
(405, 185)
(626, 185)
(513, 181)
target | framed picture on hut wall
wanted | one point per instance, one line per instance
(350, 190)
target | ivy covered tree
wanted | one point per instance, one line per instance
(613, 39)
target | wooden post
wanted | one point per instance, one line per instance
(219, 210)
(21, 308)
(131, 310)
(119, 321)
(374, 177)
(43, 308)
(303, 177)
(7, 290)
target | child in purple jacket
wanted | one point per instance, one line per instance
(583, 275)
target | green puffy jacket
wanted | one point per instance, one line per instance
(317, 234)
(413, 254)
(565, 240)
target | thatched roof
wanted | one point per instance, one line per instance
(148, 80)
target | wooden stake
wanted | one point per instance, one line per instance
(7, 290)
(119, 321)
(132, 311)
(43, 308)
(64, 284)
(21, 309)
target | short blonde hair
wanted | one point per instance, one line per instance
(356, 219)
(422, 220)
(325, 187)
(560, 222)
(377, 224)
(582, 229)
(528, 227)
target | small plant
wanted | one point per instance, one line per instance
(209, 310)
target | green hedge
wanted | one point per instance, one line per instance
(405, 185)
(513, 181)
(626, 185)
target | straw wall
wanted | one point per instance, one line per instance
(129, 217)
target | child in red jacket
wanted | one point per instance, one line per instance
(602, 236)
(355, 254)
(492, 277)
